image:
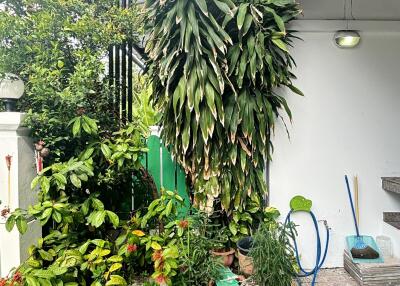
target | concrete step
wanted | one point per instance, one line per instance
(392, 218)
(391, 184)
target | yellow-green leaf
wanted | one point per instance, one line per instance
(155, 245)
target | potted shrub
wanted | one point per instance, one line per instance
(198, 267)
(222, 249)
(272, 255)
(225, 255)
(244, 246)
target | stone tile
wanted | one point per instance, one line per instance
(326, 277)
(331, 277)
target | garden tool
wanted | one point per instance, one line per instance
(8, 163)
(356, 199)
(362, 248)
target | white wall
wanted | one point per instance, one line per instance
(362, 9)
(348, 123)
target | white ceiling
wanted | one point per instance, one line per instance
(362, 9)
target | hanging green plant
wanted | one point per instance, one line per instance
(216, 66)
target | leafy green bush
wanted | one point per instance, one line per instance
(74, 201)
(143, 105)
(199, 267)
(59, 49)
(175, 250)
(273, 255)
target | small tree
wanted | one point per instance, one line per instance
(216, 66)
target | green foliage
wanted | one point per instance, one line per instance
(273, 255)
(72, 202)
(201, 268)
(66, 264)
(59, 49)
(174, 250)
(149, 241)
(216, 66)
(143, 105)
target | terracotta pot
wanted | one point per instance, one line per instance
(227, 257)
(245, 263)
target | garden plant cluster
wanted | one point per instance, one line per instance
(213, 69)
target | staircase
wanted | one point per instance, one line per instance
(392, 184)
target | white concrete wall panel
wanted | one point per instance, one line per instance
(347, 123)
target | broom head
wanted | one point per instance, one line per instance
(363, 249)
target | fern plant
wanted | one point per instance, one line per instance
(216, 66)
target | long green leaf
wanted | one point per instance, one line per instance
(242, 14)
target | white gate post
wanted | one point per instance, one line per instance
(16, 191)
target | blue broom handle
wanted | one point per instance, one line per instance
(352, 205)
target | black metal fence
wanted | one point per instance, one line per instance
(121, 67)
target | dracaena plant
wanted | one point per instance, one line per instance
(216, 67)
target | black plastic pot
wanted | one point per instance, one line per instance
(245, 244)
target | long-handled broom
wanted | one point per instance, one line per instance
(359, 248)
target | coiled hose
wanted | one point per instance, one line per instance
(320, 259)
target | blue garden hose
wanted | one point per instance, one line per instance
(320, 259)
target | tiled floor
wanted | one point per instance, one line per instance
(326, 277)
(331, 277)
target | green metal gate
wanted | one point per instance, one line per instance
(164, 170)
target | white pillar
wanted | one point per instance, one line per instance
(15, 141)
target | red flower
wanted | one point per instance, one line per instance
(3, 281)
(132, 248)
(17, 277)
(157, 255)
(161, 280)
(183, 224)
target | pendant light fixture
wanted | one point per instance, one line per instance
(347, 38)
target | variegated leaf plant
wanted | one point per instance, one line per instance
(216, 66)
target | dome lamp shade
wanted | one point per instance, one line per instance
(347, 39)
(11, 89)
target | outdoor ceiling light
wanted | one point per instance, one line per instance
(347, 38)
(11, 89)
